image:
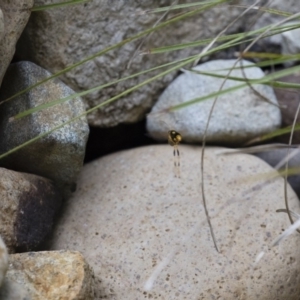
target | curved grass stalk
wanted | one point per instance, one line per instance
(215, 101)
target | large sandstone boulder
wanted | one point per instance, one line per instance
(145, 232)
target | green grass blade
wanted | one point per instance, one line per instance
(58, 5)
(178, 6)
(278, 84)
(271, 11)
(280, 29)
(262, 80)
(273, 134)
(97, 88)
(52, 103)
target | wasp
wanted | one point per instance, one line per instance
(174, 138)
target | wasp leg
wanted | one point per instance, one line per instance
(177, 161)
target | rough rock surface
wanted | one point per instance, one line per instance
(238, 116)
(58, 155)
(10, 290)
(91, 27)
(53, 275)
(145, 232)
(29, 204)
(15, 16)
(3, 261)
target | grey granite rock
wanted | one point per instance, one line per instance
(57, 38)
(238, 115)
(58, 155)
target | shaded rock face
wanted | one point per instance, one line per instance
(11, 290)
(145, 233)
(52, 275)
(3, 260)
(57, 156)
(29, 204)
(14, 15)
(238, 116)
(110, 23)
(276, 156)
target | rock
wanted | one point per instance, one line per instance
(3, 261)
(237, 117)
(10, 290)
(1, 25)
(145, 231)
(291, 6)
(289, 101)
(275, 156)
(13, 18)
(78, 39)
(53, 275)
(288, 41)
(29, 204)
(57, 156)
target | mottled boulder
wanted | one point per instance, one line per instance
(28, 206)
(145, 233)
(14, 15)
(58, 155)
(238, 116)
(57, 38)
(53, 275)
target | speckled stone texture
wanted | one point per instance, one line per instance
(58, 38)
(28, 205)
(53, 275)
(238, 116)
(57, 156)
(14, 15)
(145, 232)
(10, 290)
